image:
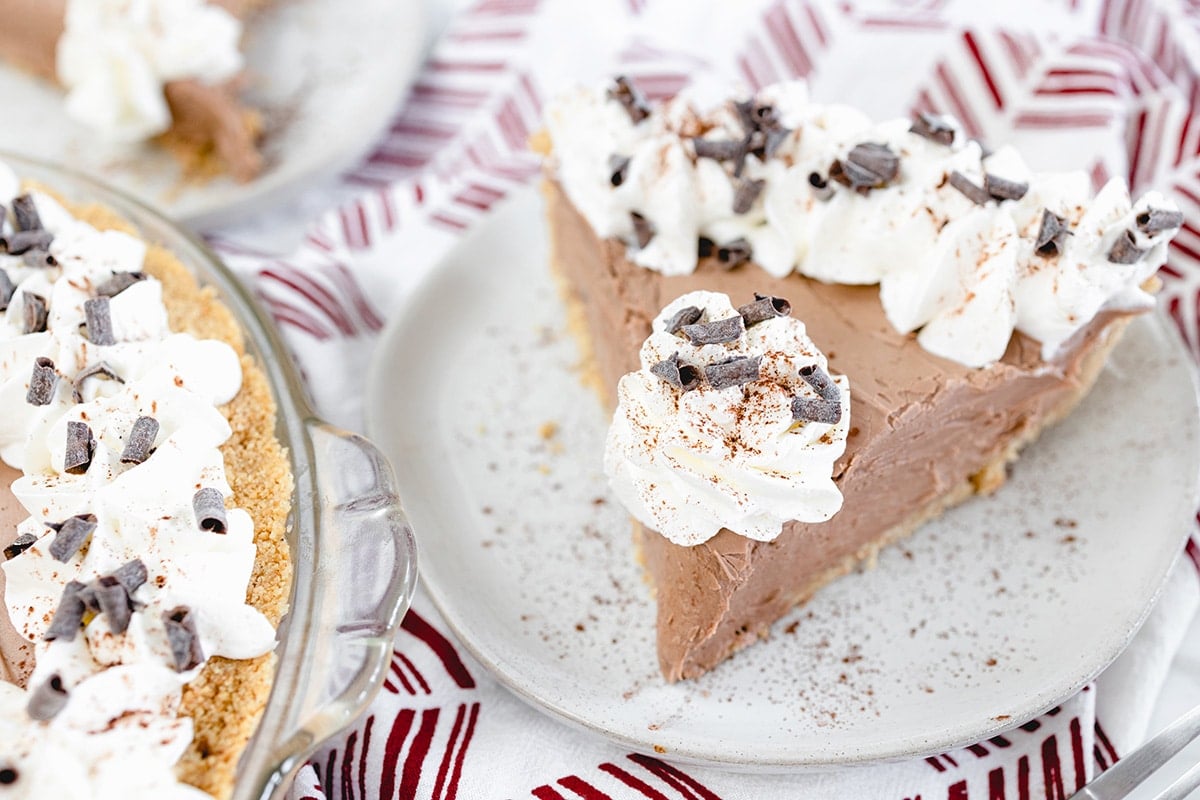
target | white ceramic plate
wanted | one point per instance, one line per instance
(328, 75)
(985, 618)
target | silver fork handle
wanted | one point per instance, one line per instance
(1120, 779)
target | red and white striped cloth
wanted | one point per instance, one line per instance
(1110, 86)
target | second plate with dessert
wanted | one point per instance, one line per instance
(983, 619)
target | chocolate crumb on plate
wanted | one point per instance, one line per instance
(140, 441)
(183, 638)
(72, 533)
(99, 321)
(209, 506)
(35, 311)
(1125, 250)
(734, 254)
(1052, 235)
(81, 445)
(42, 382)
(48, 699)
(734, 372)
(68, 617)
(971, 190)
(933, 127)
(643, 231)
(624, 92)
(764, 308)
(19, 545)
(684, 316)
(677, 374)
(715, 332)
(1157, 220)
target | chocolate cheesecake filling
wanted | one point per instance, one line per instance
(207, 119)
(925, 434)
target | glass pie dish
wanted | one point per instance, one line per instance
(352, 550)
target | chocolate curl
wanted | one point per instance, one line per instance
(720, 149)
(186, 652)
(705, 247)
(7, 288)
(764, 308)
(867, 166)
(99, 321)
(973, 191)
(735, 253)
(42, 382)
(821, 188)
(19, 242)
(112, 600)
(48, 699)
(775, 138)
(1157, 220)
(72, 533)
(684, 316)
(131, 574)
(1052, 235)
(140, 441)
(734, 372)
(38, 259)
(1004, 189)
(1124, 250)
(25, 213)
(68, 617)
(210, 510)
(19, 545)
(98, 370)
(617, 166)
(624, 92)
(35, 311)
(119, 282)
(934, 128)
(643, 231)
(828, 409)
(746, 193)
(681, 376)
(81, 446)
(821, 383)
(716, 332)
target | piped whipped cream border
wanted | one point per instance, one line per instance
(966, 246)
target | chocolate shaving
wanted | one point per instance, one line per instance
(209, 506)
(868, 166)
(684, 316)
(734, 254)
(19, 545)
(131, 574)
(25, 213)
(733, 372)
(99, 321)
(934, 128)
(1004, 189)
(643, 231)
(48, 699)
(20, 242)
(764, 308)
(746, 193)
(42, 382)
(1125, 250)
(112, 600)
(973, 191)
(140, 441)
(35, 311)
(38, 259)
(81, 446)
(8, 775)
(625, 93)
(617, 166)
(806, 409)
(1157, 220)
(821, 188)
(720, 149)
(821, 383)
(98, 370)
(183, 638)
(72, 533)
(1052, 235)
(681, 376)
(705, 247)
(119, 282)
(68, 617)
(7, 287)
(715, 332)
(775, 138)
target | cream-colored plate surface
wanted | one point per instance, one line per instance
(983, 619)
(328, 75)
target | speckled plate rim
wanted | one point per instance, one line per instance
(1015, 715)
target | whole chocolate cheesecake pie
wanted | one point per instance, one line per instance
(817, 332)
(143, 503)
(134, 70)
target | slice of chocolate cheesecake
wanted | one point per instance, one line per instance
(949, 294)
(197, 114)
